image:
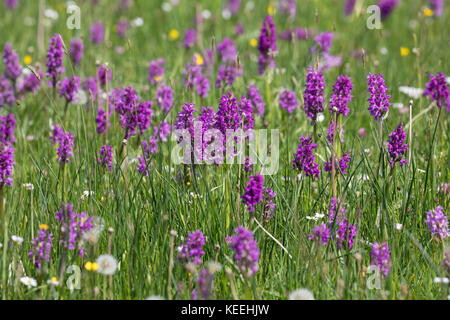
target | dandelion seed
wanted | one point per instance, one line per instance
(301, 294)
(107, 264)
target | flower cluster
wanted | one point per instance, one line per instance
(227, 50)
(256, 100)
(41, 247)
(102, 121)
(69, 88)
(164, 97)
(253, 192)
(386, 7)
(189, 38)
(341, 96)
(55, 65)
(105, 158)
(343, 164)
(267, 45)
(437, 222)
(324, 41)
(381, 258)
(12, 67)
(73, 226)
(7, 97)
(97, 32)
(192, 250)
(438, 90)
(246, 252)
(156, 71)
(397, 146)
(76, 51)
(194, 77)
(288, 101)
(304, 158)
(65, 147)
(379, 99)
(6, 164)
(7, 126)
(313, 95)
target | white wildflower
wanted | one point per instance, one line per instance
(107, 264)
(301, 294)
(29, 282)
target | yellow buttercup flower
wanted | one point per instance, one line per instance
(43, 226)
(271, 10)
(198, 59)
(253, 42)
(27, 60)
(428, 12)
(404, 51)
(94, 266)
(157, 78)
(88, 266)
(173, 34)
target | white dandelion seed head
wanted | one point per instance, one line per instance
(206, 14)
(107, 264)
(226, 14)
(51, 14)
(320, 117)
(138, 22)
(249, 6)
(29, 282)
(214, 267)
(155, 297)
(81, 97)
(301, 294)
(414, 93)
(167, 7)
(399, 226)
(384, 51)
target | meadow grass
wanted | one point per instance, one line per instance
(141, 211)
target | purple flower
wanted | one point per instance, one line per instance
(126, 102)
(164, 97)
(69, 88)
(30, 83)
(73, 226)
(155, 71)
(144, 115)
(349, 7)
(343, 164)
(97, 32)
(381, 258)
(437, 222)
(288, 101)
(41, 247)
(246, 252)
(437, 6)
(379, 99)
(330, 133)
(233, 6)
(192, 250)
(313, 95)
(253, 192)
(194, 78)
(76, 51)
(345, 234)
(7, 125)
(90, 86)
(11, 4)
(438, 90)
(185, 118)
(341, 96)
(288, 7)
(65, 148)
(269, 206)
(267, 45)
(102, 121)
(227, 74)
(397, 146)
(57, 133)
(304, 158)
(386, 7)
(6, 165)
(227, 50)
(105, 158)
(324, 40)
(189, 38)
(205, 283)
(329, 61)
(104, 74)
(256, 100)
(122, 27)
(164, 130)
(55, 64)
(321, 233)
(248, 166)
(7, 97)
(13, 69)
(239, 29)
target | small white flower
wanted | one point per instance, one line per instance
(206, 14)
(309, 218)
(81, 97)
(167, 7)
(53, 281)
(28, 186)
(179, 249)
(320, 117)
(384, 51)
(399, 226)
(16, 239)
(138, 22)
(441, 280)
(367, 150)
(414, 93)
(319, 215)
(447, 80)
(29, 282)
(1, 245)
(107, 264)
(421, 170)
(226, 14)
(301, 294)
(154, 297)
(86, 194)
(51, 14)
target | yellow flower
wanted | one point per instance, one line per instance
(43, 226)
(173, 34)
(253, 42)
(428, 12)
(157, 78)
(198, 59)
(404, 51)
(188, 183)
(88, 266)
(94, 266)
(271, 9)
(27, 60)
